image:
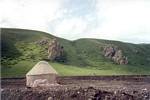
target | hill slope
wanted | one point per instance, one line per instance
(20, 52)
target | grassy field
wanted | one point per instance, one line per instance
(20, 69)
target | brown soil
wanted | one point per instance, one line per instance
(80, 88)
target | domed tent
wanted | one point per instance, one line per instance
(42, 70)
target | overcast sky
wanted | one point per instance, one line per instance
(124, 20)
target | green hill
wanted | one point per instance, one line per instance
(83, 57)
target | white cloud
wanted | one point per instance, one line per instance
(125, 20)
(71, 28)
(31, 14)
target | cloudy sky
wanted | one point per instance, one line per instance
(124, 20)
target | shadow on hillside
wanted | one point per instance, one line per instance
(8, 49)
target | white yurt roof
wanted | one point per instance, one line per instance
(42, 67)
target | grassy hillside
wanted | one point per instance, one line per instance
(84, 56)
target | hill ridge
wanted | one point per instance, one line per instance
(18, 46)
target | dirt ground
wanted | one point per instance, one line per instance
(80, 88)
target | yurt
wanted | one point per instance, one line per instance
(41, 71)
